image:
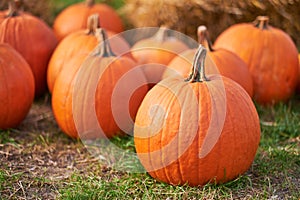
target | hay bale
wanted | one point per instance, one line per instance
(186, 15)
(40, 8)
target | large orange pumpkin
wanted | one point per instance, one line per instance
(228, 64)
(16, 87)
(32, 38)
(156, 52)
(89, 92)
(270, 55)
(199, 130)
(81, 42)
(74, 18)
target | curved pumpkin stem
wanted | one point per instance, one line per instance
(90, 3)
(261, 22)
(198, 71)
(162, 34)
(13, 8)
(203, 38)
(103, 49)
(93, 24)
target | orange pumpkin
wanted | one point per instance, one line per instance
(270, 55)
(74, 18)
(155, 53)
(189, 131)
(228, 64)
(89, 92)
(299, 76)
(81, 42)
(32, 38)
(16, 87)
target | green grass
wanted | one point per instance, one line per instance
(271, 175)
(275, 173)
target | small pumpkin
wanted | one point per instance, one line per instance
(32, 38)
(227, 63)
(16, 87)
(74, 18)
(89, 92)
(82, 42)
(199, 130)
(156, 52)
(270, 55)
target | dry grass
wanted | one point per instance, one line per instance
(36, 156)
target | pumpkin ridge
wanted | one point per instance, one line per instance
(70, 124)
(247, 128)
(170, 103)
(254, 118)
(231, 118)
(16, 87)
(213, 103)
(181, 170)
(164, 98)
(91, 62)
(7, 95)
(65, 126)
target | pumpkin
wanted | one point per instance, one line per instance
(156, 52)
(270, 55)
(16, 87)
(298, 88)
(228, 64)
(74, 18)
(81, 42)
(32, 38)
(196, 130)
(95, 90)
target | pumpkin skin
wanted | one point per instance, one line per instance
(179, 135)
(270, 55)
(74, 18)
(155, 53)
(16, 87)
(69, 86)
(228, 64)
(81, 42)
(298, 88)
(33, 39)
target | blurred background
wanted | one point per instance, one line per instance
(186, 15)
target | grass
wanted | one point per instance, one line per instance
(38, 161)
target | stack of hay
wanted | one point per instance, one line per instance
(38, 8)
(217, 15)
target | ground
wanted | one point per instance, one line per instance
(38, 161)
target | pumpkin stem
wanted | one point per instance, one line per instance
(103, 49)
(90, 3)
(261, 22)
(93, 24)
(13, 8)
(203, 37)
(198, 70)
(162, 34)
